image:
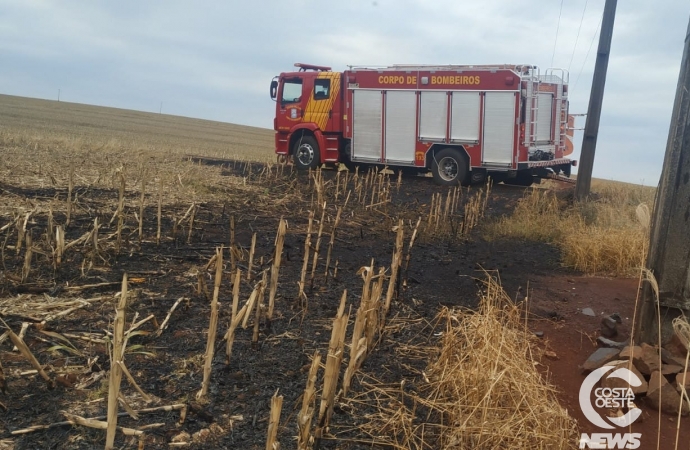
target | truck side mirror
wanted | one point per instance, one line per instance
(274, 89)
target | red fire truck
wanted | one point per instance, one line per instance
(463, 123)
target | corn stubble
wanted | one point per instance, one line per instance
(336, 201)
(275, 268)
(306, 413)
(213, 326)
(373, 191)
(115, 377)
(334, 359)
(274, 421)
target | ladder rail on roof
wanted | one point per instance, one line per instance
(533, 80)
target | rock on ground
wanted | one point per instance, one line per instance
(648, 362)
(631, 352)
(679, 381)
(604, 342)
(662, 393)
(599, 358)
(588, 312)
(611, 382)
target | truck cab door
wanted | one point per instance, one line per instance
(291, 95)
(323, 107)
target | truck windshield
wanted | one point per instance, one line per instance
(292, 91)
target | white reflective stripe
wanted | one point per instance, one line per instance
(553, 162)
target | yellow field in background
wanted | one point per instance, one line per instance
(48, 121)
(42, 142)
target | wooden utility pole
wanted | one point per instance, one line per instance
(596, 98)
(669, 246)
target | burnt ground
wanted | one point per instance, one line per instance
(444, 271)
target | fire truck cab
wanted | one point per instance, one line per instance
(462, 123)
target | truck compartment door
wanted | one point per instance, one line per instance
(401, 117)
(433, 117)
(367, 125)
(544, 118)
(499, 128)
(464, 121)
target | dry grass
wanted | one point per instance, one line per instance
(600, 237)
(486, 379)
(483, 391)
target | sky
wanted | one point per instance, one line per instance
(215, 59)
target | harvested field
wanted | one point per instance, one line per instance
(76, 126)
(252, 293)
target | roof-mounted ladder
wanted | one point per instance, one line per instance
(559, 77)
(532, 106)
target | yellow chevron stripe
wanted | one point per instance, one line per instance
(317, 110)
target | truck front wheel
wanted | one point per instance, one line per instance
(449, 167)
(306, 154)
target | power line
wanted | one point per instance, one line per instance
(590, 49)
(553, 55)
(578, 36)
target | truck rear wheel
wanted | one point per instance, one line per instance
(449, 167)
(306, 154)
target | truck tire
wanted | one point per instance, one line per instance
(306, 153)
(449, 167)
